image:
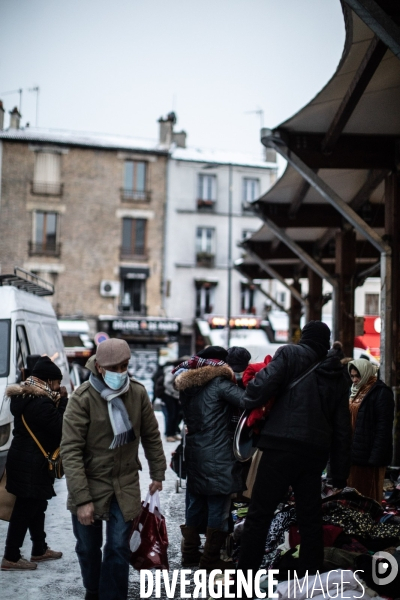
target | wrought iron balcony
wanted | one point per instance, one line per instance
(128, 195)
(44, 188)
(205, 205)
(44, 249)
(205, 259)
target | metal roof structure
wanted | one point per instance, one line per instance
(334, 213)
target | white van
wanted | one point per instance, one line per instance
(28, 325)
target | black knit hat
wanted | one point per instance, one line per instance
(46, 370)
(316, 335)
(238, 358)
(216, 352)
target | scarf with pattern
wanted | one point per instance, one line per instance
(196, 362)
(42, 385)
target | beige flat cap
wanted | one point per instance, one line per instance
(112, 352)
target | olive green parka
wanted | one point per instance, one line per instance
(95, 473)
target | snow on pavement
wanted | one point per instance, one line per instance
(59, 579)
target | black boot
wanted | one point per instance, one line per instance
(190, 546)
(91, 595)
(212, 550)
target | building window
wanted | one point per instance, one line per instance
(371, 304)
(251, 191)
(47, 174)
(247, 294)
(205, 292)
(45, 234)
(135, 181)
(133, 237)
(134, 296)
(205, 246)
(207, 191)
(281, 298)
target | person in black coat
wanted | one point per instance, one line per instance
(306, 424)
(372, 415)
(42, 402)
(208, 393)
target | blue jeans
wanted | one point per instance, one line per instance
(214, 510)
(107, 572)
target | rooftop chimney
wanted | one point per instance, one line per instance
(179, 138)
(166, 127)
(1, 116)
(15, 118)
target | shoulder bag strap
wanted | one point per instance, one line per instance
(34, 437)
(304, 375)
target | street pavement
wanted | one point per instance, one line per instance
(56, 580)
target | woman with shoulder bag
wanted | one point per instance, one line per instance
(38, 405)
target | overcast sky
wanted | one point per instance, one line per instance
(117, 66)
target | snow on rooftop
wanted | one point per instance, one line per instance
(121, 142)
(221, 157)
(79, 138)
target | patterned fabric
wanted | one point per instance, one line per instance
(196, 363)
(42, 385)
(276, 536)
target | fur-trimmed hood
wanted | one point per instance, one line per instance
(25, 390)
(195, 378)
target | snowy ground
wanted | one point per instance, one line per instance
(56, 580)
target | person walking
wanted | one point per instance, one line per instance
(307, 423)
(372, 414)
(40, 401)
(208, 392)
(105, 419)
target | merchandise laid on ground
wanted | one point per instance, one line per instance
(354, 528)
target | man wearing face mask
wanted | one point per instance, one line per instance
(106, 418)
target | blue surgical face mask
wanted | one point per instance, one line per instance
(115, 380)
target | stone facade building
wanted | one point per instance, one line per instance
(85, 212)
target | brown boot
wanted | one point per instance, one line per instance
(48, 555)
(21, 565)
(212, 550)
(190, 547)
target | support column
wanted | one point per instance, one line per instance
(295, 315)
(345, 269)
(391, 350)
(314, 296)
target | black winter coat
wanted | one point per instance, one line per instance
(313, 417)
(207, 396)
(27, 469)
(373, 439)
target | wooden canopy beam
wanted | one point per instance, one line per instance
(351, 151)
(373, 56)
(379, 21)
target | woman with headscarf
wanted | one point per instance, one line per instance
(372, 414)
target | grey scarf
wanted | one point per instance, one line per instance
(119, 418)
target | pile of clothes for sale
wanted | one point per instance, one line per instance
(355, 527)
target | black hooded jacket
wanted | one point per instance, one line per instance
(27, 469)
(373, 438)
(313, 417)
(207, 396)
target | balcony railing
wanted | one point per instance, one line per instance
(248, 208)
(128, 309)
(205, 205)
(44, 249)
(134, 254)
(134, 195)
(44, 188)
(205, 259)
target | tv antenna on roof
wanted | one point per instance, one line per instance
(259, 112)
(36, 89)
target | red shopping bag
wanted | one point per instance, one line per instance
(148, 540)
